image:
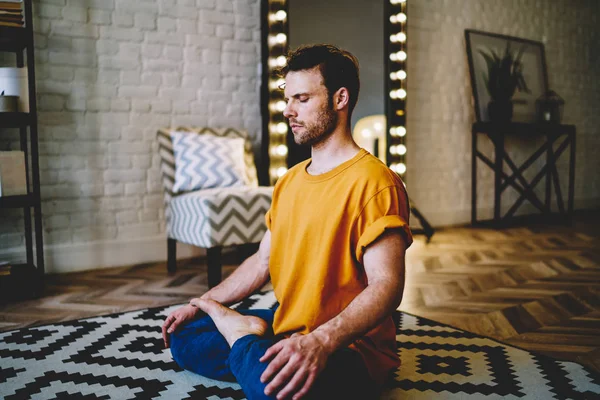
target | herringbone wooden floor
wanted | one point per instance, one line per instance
(536, 287)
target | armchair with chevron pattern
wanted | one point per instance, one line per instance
(211, 193)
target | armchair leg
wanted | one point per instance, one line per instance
(213, 256)
(171, 255)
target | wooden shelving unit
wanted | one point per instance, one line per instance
(24, 280)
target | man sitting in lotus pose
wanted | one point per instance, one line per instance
(334, 251)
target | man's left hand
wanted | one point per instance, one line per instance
(296, 361)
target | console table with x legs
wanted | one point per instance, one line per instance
(553, 133)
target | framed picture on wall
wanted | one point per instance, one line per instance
(513, 64)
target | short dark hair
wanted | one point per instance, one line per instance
(338, 67)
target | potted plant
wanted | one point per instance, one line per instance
(504, 77)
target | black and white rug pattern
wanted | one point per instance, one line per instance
(122, 357)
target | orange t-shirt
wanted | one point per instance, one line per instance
(320, 226)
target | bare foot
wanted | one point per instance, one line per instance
(231, 324)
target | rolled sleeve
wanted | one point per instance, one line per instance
(386, 210)
(377, 229)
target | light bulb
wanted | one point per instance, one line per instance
(393, 150)
(280, 15)
(401, 131)
(281, 171)
(278, 172)
(401, 37)
(401, 55)
(401, 149)
(393, 38)
(393, 76)
(280, 38)
(401, 93)
(401, 168)
(393, 94)
(282, 127)
(393, 19)
(401, 17)
(282, 150)
(401, 74)
(276, 84)
(394, 57)
(281, 61)
(393, 131)
(278, 106)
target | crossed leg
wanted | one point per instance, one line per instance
(227, 345)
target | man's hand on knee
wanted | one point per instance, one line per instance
(296, 361)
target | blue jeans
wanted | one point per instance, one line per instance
(200, 348)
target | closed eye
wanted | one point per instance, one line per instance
(301, 97)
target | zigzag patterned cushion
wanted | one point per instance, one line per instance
(220, 217)
(206, 161)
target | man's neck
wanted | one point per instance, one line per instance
(333, 151)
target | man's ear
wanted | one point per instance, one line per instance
(341, 98)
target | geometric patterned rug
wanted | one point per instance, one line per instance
(121, 356)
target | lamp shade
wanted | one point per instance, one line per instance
(369, 133)
(549, 107)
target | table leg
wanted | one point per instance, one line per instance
(550, 143)
(571, 174)
(498, 141)
(473, 176)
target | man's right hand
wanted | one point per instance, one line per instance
(180, 316)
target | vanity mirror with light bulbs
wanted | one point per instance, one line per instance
(375, 32)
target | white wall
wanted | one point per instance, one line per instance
(109, 74)
(439, 106)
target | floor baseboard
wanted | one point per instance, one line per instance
(105, 254)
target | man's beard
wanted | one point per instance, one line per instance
(320, 130)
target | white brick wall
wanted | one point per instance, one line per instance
(112, 72)
(109, 74)
(439, 102)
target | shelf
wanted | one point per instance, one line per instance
(14, 119)
(19, 40)
(13, 39)
(20, 201)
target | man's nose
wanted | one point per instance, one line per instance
(288, 111)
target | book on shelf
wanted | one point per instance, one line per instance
(13, 181)
(11, 5)
(11, 24)
(4, 268)
(12, 20)
(11, 14)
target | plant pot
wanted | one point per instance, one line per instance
(500, 111)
